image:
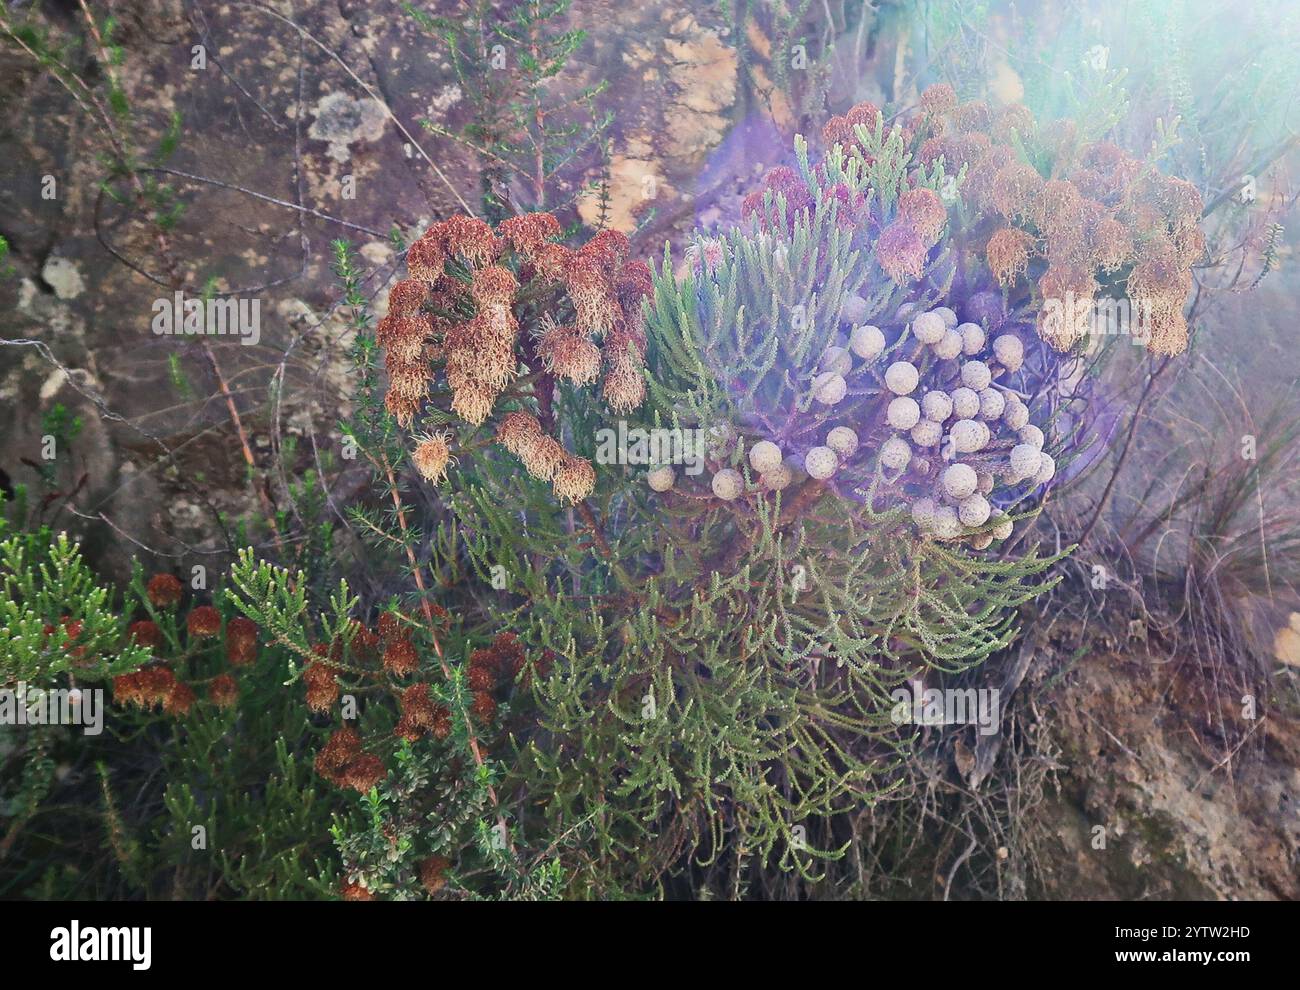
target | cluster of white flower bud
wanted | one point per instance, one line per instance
(944, 406)
(979, 427)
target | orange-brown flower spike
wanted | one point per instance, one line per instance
(939, 99)
(241, 641)
(900, 251)
(407, 296)
(530, 232)
(363, 773)
(517, 429)
(340, 749)
(1015, 191)
(401, 658)
(568, 353)
(431, 457)
(164, 590)
(203, 622)
(426, 258)
(923, 209)
(322, 686)
(1008, 254)
(145, 633)
(223, 691)
(471, 239)
(574, 479)
(180, 699)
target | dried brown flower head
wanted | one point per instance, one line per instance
(401, 658)
(180, 699)
(164, 590)
(144, 632)
(203, 622)
(574, 479)
(431, 457)
(223, 691)
(900, 251)
(1015, 192)
(241, 641)
(322, 686)
(1008, 254)
(923, 209)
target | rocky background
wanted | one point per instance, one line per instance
(298, 104)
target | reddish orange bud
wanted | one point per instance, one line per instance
(145, 633)
(203, 622)
(164, 590)
(179, 700)
(241, 641)
(223, 691)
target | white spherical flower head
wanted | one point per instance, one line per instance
(660, 479)
(1016, 415)
(1002, 525)
(1046, 469)
(895, 453)
(976, 375)
(836, 360)
(867, 342)
(901, 378)
(927, 433)
(843, 441)
(967, 437)
(764, 456)
(854, 310)
(928, 328)
(949, 346)
(973, 510)
(959, 481)
(1009, 351)
(727, 484)
(992, 403)
(985, 483)
(986, 435)
(1031, 435)
(972, 338)
(949, 317)
(946, 524)
(965, 403)
(821, 462)
(923, 511)
(903, 413)
(981, 541)
(777, 479)
(936, 406)
(1025, 460)
(829, 388)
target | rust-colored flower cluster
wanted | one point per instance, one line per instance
(421, 715)
(157, 685)
(572, 478)
(458, 308)
(321, 678)
(343, 762)
(1097, 214)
